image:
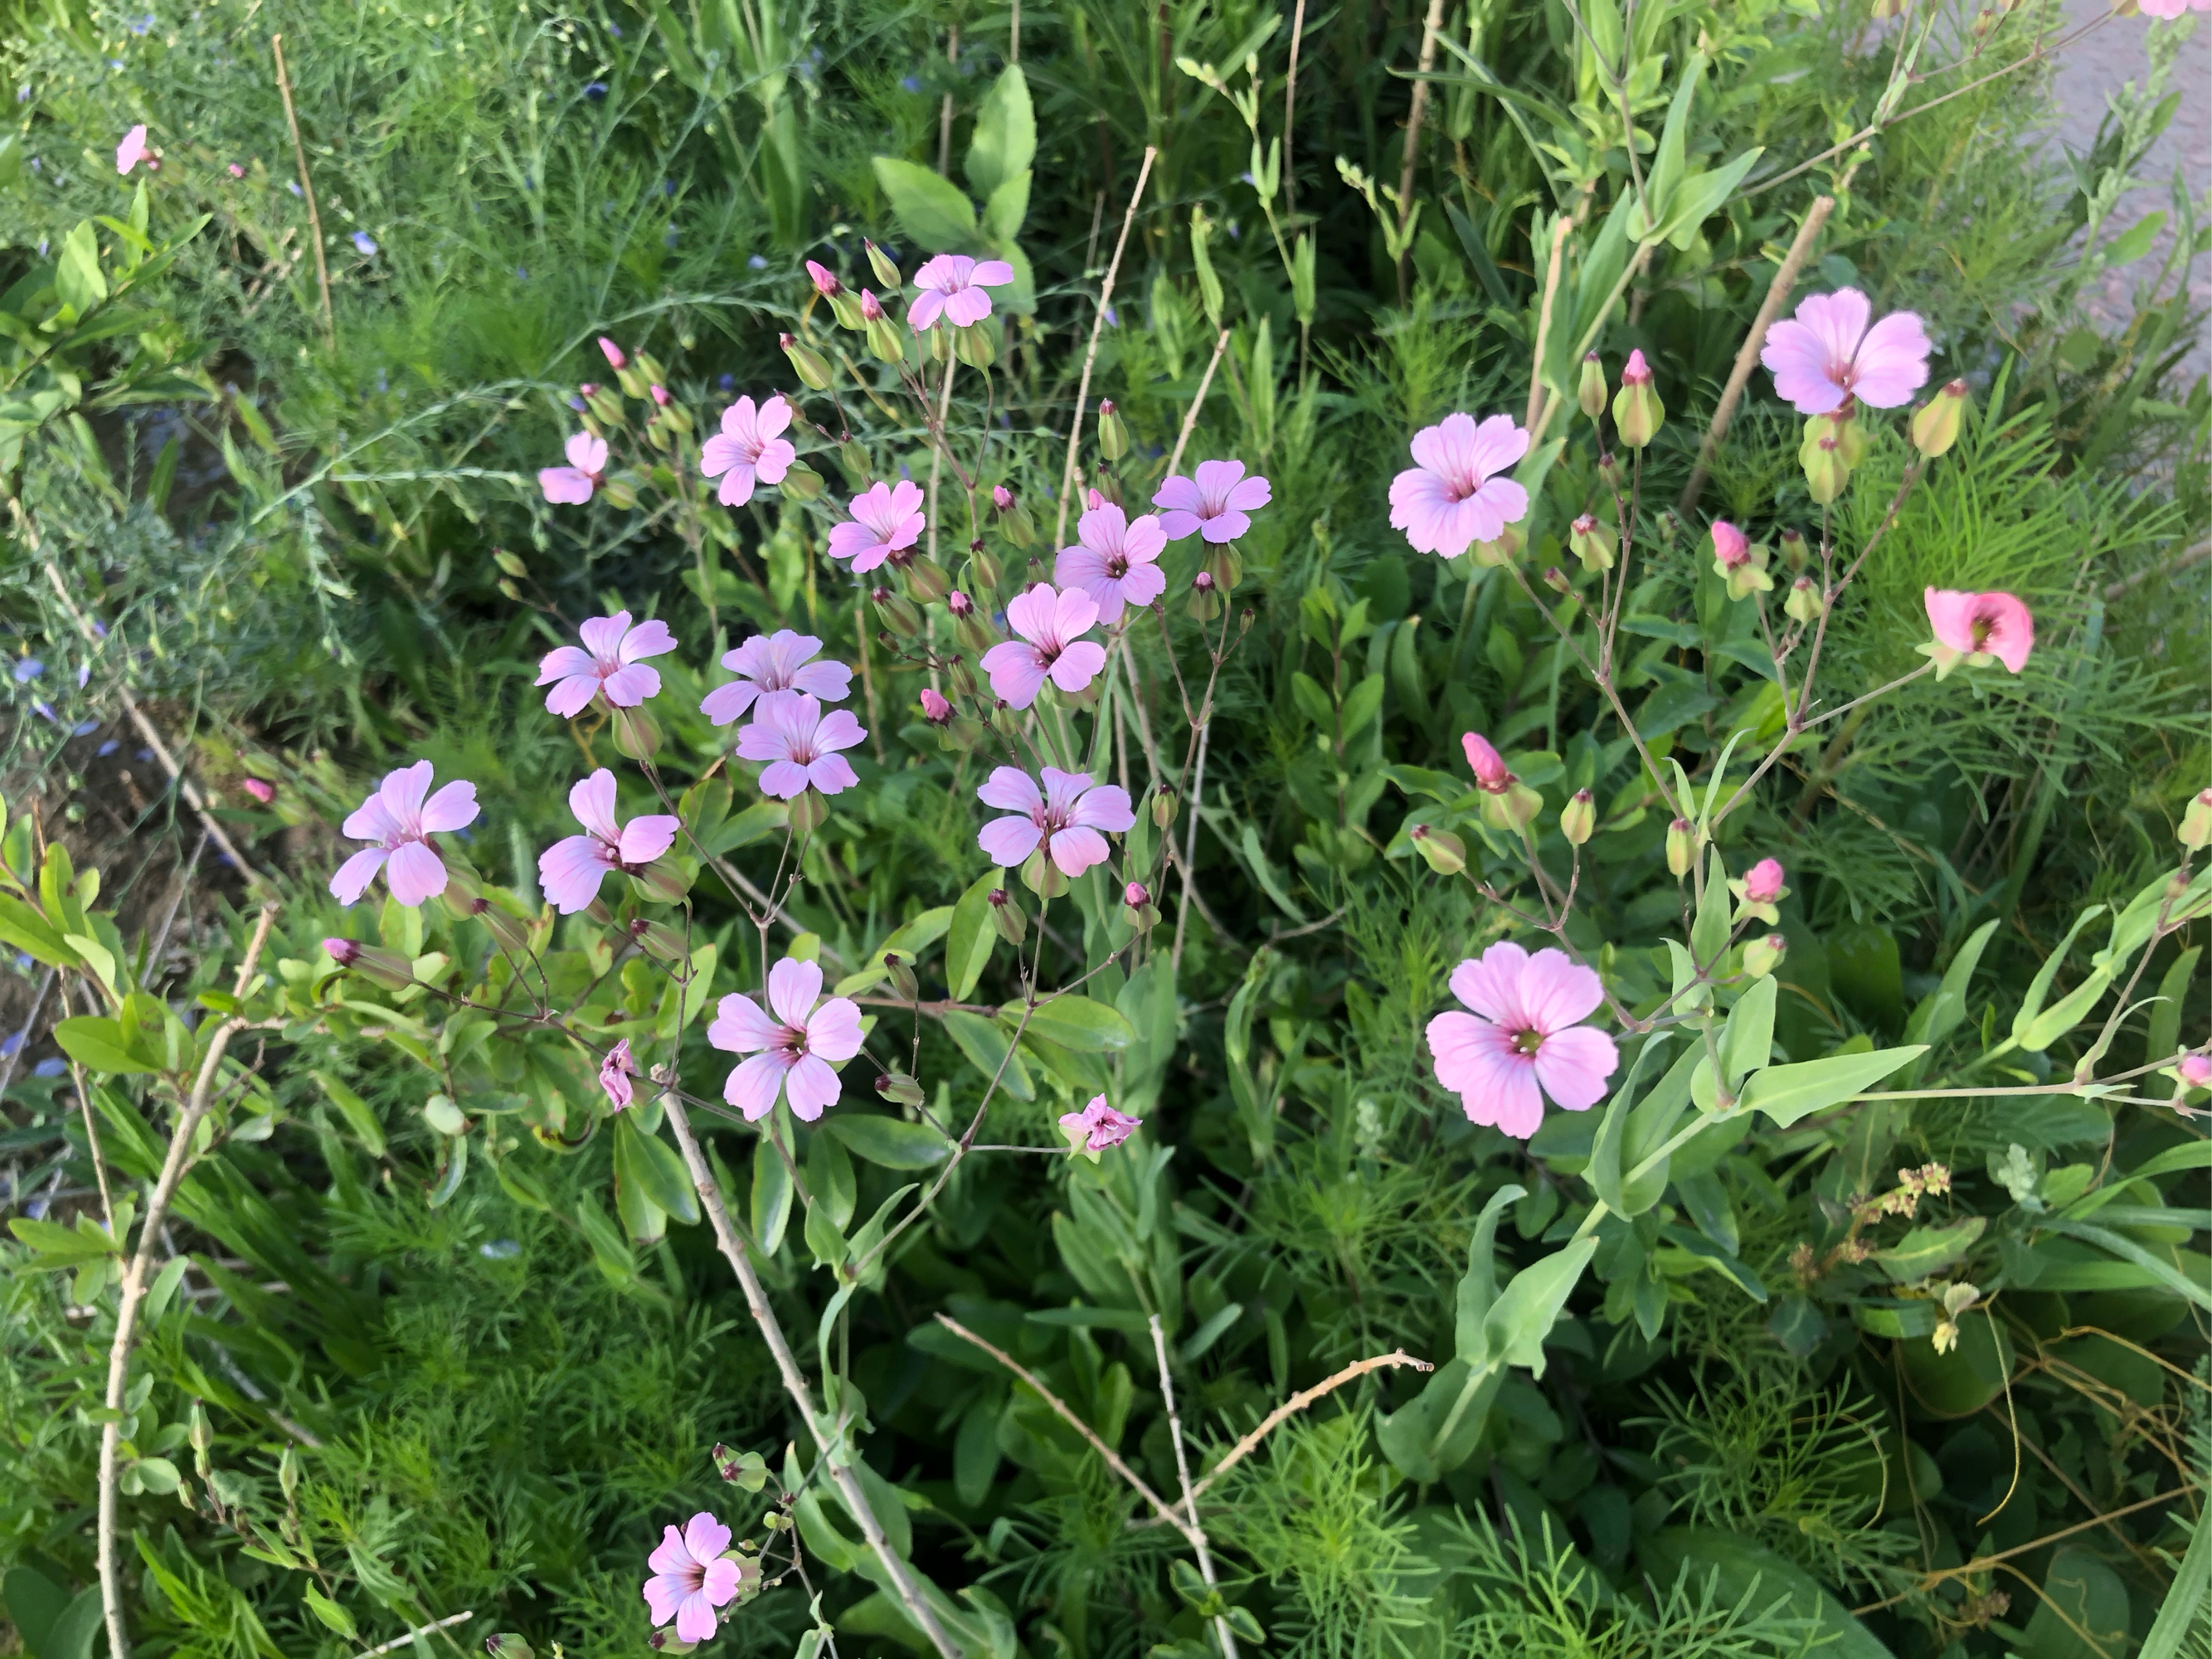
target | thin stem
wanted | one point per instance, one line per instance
(1297, 1403)
(1198, 402)
(1197, 1534)
(307, 190)
(1290, 106)
(1429, 27)
(1091, 355)
(1560, 227)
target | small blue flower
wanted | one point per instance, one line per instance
(615, 29)
(28, 669)
(145, 755)
(595, 90)
(912, 82)
(108, 748)
(364, 244)
(522, 272)
(23, 93)
(23, 963)
(383, 381)
(499, 1249)
(293, 185)
(36, 1209)
(668, 237)
(727, 382)
(49, 1068)
(83, 674)
(143, 25)
(576, 404)
(84, 728)
(757, 262)
(45, 711)
(8, 1048)
(1113, 318)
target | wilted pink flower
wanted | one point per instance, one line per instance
(400, 823)
(825, 280)
(570, 871)
(1762, 883)
(1098, 1125)
(747, 449)
(1826, 353)
(572, 485)
(614, 354)
(132, 150)
(1977, 629)
(886, 518)
(793, 1048)
(1116, 561)
(800, 744)
(1217, 504)
(1489, 766)
(781, 661)
(953, 283)
(608, 662)
(1048, 621)
(934, 708)
(1454, 494)
(690, 1578)
(2196, 1069)
(1731, 546)
(1064, 818)
(615, 1072)
(1524, 1034)
(261, 789)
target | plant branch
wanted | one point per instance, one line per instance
(1198, 401)
(307, 190)
(1091, 356)
(1297, 1403)
(1221, 1630)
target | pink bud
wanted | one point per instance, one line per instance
(588, 389)
(2196, 1070)
(343, 951)
(614, 354)
(1136, 894)
(1203, 582)
(1731, 546)
(1637, 372)
(1002, 498)
(1092, 501)
(1489, 766)
(1762, 883)
(660, 396)
(825, 284)
(872, 308)
(261, 789)
(1585, 525)
(236, 171)
(959, 604)
(934, 708)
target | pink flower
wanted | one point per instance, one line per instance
(572, 485)
(1489, 766)
(1762, 883)
(1217, 504)
(781, 661)
(885, 519)
(1116, 562)
(615, 1072)
(614, 354)
(953, 283)
(1826, 355)
(800, 744)
(1977, 629)
(2171, 8)
(934, 708)
(825, 280)
(1063, 819)
(662, 397)
(608, 662)
(261, 789)
(747, 449)
(236, 171)
(690, 1578)
(792, 1049)
(132, 150)
(1523, 1033)
(401, 822)
(1050, 621)
(1136, 895)
(570, 871)
(872, 308)
(1731, 546)
(1453, 495)
(1097, 1127)
(2196, 1069)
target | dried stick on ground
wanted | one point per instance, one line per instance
(1298, 1402)
(134, 1285)
(1182, 1475)
(1414, 117)
(307, 190)
(1197, 403)
(1091, 356)
(1747, 358)
(794, 1380)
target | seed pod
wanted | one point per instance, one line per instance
(636, 733)
(1761, 956)
(1681, 846)
(1006, 916)
(1826, 473)
(896, 612)
(886, 268)
(902, 977)
(1503, 551)
(1165, 805)
(1803, 604)
(801, 483)
(1590, 544)
(899, 1089)
(1113, 436)
(926, 581)
(2197, 822)
(387, 967)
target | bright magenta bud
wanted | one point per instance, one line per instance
(934, 708)
(1488, 766)
(825, 281)
(1638, 414)
(261, 789)
(616, 359)
(1135, 894)
(660, 393)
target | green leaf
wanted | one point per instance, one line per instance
(1708, 934)
(771, 1197)
(1008, 206)
(27, 930)
(988, 1047)
(657, 1170)
(76, 272)
(1786, 1093)
(1941, 1011)
(1080, 1023)
(1522, 1317)
(165, 1287)
(889, 1142)
(333, 1615)
(1705, 1250)
(2191, 1587)
(2161, 1268)
(1668, 161)
(98, 1043)
(1747, 1040)
(928, 208)
(2040, 988)
(1901, 1321)
(1477, 1286)
(758, 821)
(2063, 1015)
(1610, 1159)
(1740, 1570)
(910, 940)
(1440, 1427)
(1005, 142)
(1702, 195)
(970, 938)
(359, 1117)
(1926, 1251)
(59, 1246)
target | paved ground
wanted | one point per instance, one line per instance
(2106, 60)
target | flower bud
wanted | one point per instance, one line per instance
(926, 581)
(1638, 414)
(1165, 804)
(1740, 563)
(657, 939)
(200, 1431)
(972, 346)
(636, 733)
(886, 269)
(1514, 810)
(1113, 436)
(1608, 471)
(801, 482)
(1013, 517)
(2197, 822)
(827, 285)
(387, 967)
(1935, 425)
(620, 492)
(1578, 818)
(1591, 393)
(1556, 580)
(1137, 907)
(1793, 548)
(663, 881)
(1444, 852)
(934, 708)
(1225, 565)
(809, 365)
(660, 393)
(1007, 917)
(964, 679)
(1803, 604)
(615, 358)
(1681, 846)
(809, 811)
(1491, 772)
(1492, 555)
(668, 1644)
(1590, 544)
(2195, 1071)
(1825, 475)
(883, 337)
(1136, 894)
(509, 934)
(859, 467)
(746, 1469)
(1731, 547)
(896, 612)
(507, 1645)
(899, 1089)
(1761, 956)
(604, 404)
(900, 973)
(1205, 597)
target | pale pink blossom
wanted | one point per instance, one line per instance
(1217, 504)
(608, 662)
(1456, 494)
(1488, 766)
(400, 821)
(748, 449)
(616, 1072)
(1826, 355)
(1115, 560)
(261, 789)
(792, 1047)
(886, 518)
(800, 744)
(572, 485)
(132, 150)
(934, 707)
(613, 352)
(2196, 1069)
(2171, 8)
(1048, 621)
(570, 871)
(1098, 1125)
(1977, 629)
(781, 661)
(953, 284)
(1064, 819)
(1522, 1041)
(691, 1578)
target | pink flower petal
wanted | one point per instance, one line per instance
(1491, 984)
(1076, 848)
(695, 1618)
(794, 986)
(603, 636)
(355, 875)
(672, 1557)
(1573, 1066)
(1008, 841)
(563, 486)
(1892, 362)
(570, 872)
(454, 807)
(741, 1026)
(833, 1030)
(1556, 991)
(811, 1085)
(752, 1087)
(1011, 790)
(705, 1537)
(416, 873)
(631, 684)
(646, 838)
(572, 695)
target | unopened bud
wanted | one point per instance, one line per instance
(1638, 414)
(1225, 565)
(663, 881)
(2197, 822)
(509, 562)
(1681, 846)
(1793, 548)
(901, 972)
(883, 339)
(1137, 907)
(1503, 551)
(507, 1645)
(934, 708)
(1803, 604)
(1556, 580)
(1441, 850)
(660, 393)
(658, 940)
(387, 967)
(899, 1089)
(972, 346)
(1006, 916)
(926, 580)
(636, 733)
(1515, 809)
(1608, 471)
(1761, 956)
(604, 404)
(1013, 517)
(1589, 545)
(1113, 436)
(615, 358)
(1205, 597)
(508, 934)
(809, 365)
(667, 1644)
(200, 1431)
(859, 467)
(1591, 393)
(1825, 475)
(1578, 817)
(1935, 426)
(619, 492)
(801, 482)
(287, 1466)
(886, 268)
(1164, 806)
(963, 678)
(745, 1469)
(896, 612)
(1136, 894)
